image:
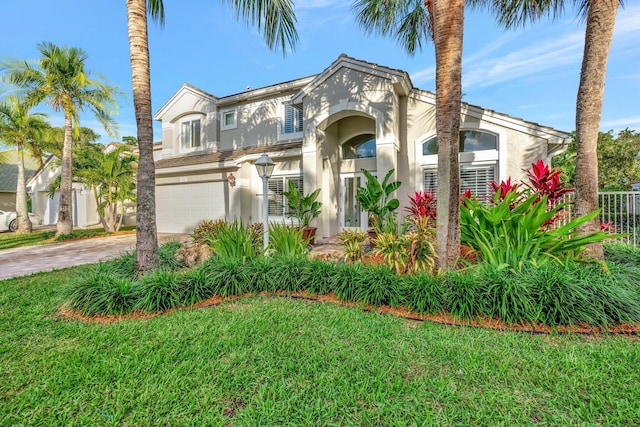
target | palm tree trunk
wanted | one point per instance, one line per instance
(22, 214)
(146, 230)
(448, 20)
(65, 218)
(600, 22)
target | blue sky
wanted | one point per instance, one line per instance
(531, 73)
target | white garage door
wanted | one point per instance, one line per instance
(181, 207)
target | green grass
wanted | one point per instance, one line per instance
(280, 361)
(13, 240)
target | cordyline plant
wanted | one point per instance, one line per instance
(422, 210)
(517, 227)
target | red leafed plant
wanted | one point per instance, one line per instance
(504, 187)
(422, 208)
(545, 181)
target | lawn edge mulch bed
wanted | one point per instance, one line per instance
(483, 322)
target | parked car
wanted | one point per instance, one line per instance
(8, 220)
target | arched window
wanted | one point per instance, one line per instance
(359, 147)
(470, 140)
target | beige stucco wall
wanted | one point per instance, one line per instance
(7, 201)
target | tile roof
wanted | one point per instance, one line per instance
(9, 169)
(224, 156)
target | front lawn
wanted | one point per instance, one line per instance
(14, 240)
(280, 361)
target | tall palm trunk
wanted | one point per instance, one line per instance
(65, 218)
(146, 230)
(600, 22)
(448, 20)
(22, 214)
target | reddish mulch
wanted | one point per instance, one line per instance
(444, 318)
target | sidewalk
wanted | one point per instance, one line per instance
(34, 259)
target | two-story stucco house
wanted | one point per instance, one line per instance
(321, 131)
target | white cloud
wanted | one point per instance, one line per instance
(528, 60)
(425, 75)
(621, 123)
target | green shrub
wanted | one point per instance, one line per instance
(196, 286)
(506, 295)
(317, 276)
(353, 242)
(167, 256)
(286, 240)
(378, 286)
(158, 290)
(287, 273)
(227, 276)
(622, 253)
(236, 241)
(424, 293)
(463, 294)
(100, 289)
(512, 232)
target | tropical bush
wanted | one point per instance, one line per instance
(353, 242)
(521, 226)
(421, 210)
(286, 240)
(236, 241)
(375, 198)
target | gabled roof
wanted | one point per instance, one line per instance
(399, 78)
(186, 88)
(9, 169)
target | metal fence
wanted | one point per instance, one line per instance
(619, 209)
(622, 210)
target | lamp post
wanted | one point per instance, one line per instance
(265, 166)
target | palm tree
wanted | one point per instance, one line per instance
(600, 16)
(111, 177)
(59, 79)
(276, 18)
(24, 130)
(412, 22)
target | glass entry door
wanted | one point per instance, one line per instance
(351, 214)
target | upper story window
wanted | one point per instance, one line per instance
(229, 119)
(292, 119)
(190, 134)
(359, 147)
(470, 140)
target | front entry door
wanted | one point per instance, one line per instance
(351, 214)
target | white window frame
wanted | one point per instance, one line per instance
(223, 117)
(189, 120)
(470, 158)
(281, 134)
(284, 178)
(485, 165)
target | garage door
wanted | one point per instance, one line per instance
(181, 207)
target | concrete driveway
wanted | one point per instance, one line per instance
(34, 259)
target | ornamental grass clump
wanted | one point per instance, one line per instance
(286, 240)
(100, 289)
(237, 241)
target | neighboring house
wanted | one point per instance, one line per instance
(83, 200)
(321, 131)
(9, 176)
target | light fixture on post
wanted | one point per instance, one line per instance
(265, 166)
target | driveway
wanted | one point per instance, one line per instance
(34, 259)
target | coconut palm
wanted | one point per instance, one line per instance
(24, 131)
(600, 16)
(413, 22)
(276, 18)
(59, 79)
